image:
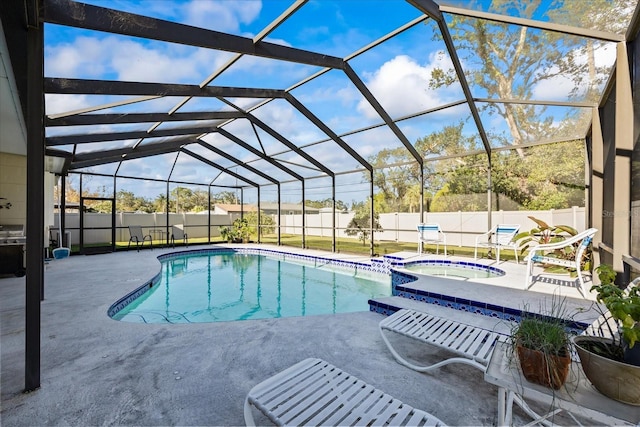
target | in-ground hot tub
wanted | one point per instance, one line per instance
(453, 269)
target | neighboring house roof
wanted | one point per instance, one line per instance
(231, 208)
(287, 207)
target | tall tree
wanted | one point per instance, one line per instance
(508, 61)
(361, 224)
(227, 197)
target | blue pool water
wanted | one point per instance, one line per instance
(454, 269)
(231, 286)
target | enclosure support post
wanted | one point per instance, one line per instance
(371, 212)
(35, 183)
(596, 185)
(279, 212)
(304, 219)
(258, 226)
(489, 194)
(209, 214)
(421, 193)
(624, 140)
(333, 214)
(113, 216)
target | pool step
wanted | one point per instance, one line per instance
(394, 303)
(473, 298)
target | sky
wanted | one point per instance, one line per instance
(397, 72)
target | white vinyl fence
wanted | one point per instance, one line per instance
(461, 227)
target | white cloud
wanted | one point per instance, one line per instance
(113, 57)
(559, 87)
(401, 85)
(556, 88)
(56, 103)
(225, 16)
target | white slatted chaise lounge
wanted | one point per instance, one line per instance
(472, 345)
(540, 254)
(314, 392)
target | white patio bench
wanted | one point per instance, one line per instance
(314, 392)
(472, 345)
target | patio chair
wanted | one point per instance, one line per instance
(431, 233)
(177, 233)
(136, 235)
(543, 254)
(54, 238)
(499, 237)
(314, 392)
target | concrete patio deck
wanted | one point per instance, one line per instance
(98, 371)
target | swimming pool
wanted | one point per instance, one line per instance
(225, 286)
(453, 269)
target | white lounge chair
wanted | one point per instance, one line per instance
(138, 237)
(499, 237)
(314, 392)
(472, 345)
(177, 233)
(431, 233)
(540, 254)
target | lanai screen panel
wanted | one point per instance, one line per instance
(369, 143)
(255, 72)
(334, 99)
(148, 195)
(121, 57)
(106, 169)
(399, 72)
(97, 186)
(504, 61)
(549, 176)
(443, 133)
(456, 184)
(218, 158)
(155, 167)
(288, 122)
(525, 124)
(339, 28)
(333, 156)
(611, 16)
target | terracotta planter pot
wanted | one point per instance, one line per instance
(539, 368)
(617, 380)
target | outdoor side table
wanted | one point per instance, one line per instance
(578, 397)
(158, 234)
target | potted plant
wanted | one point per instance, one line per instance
(611, 360)
(227, 234)
(241, 230)
(541, 343)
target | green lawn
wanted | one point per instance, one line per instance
(343, 245)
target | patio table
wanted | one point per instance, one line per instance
(158, 234)
(577, 396)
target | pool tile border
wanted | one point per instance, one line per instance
(400, 286)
